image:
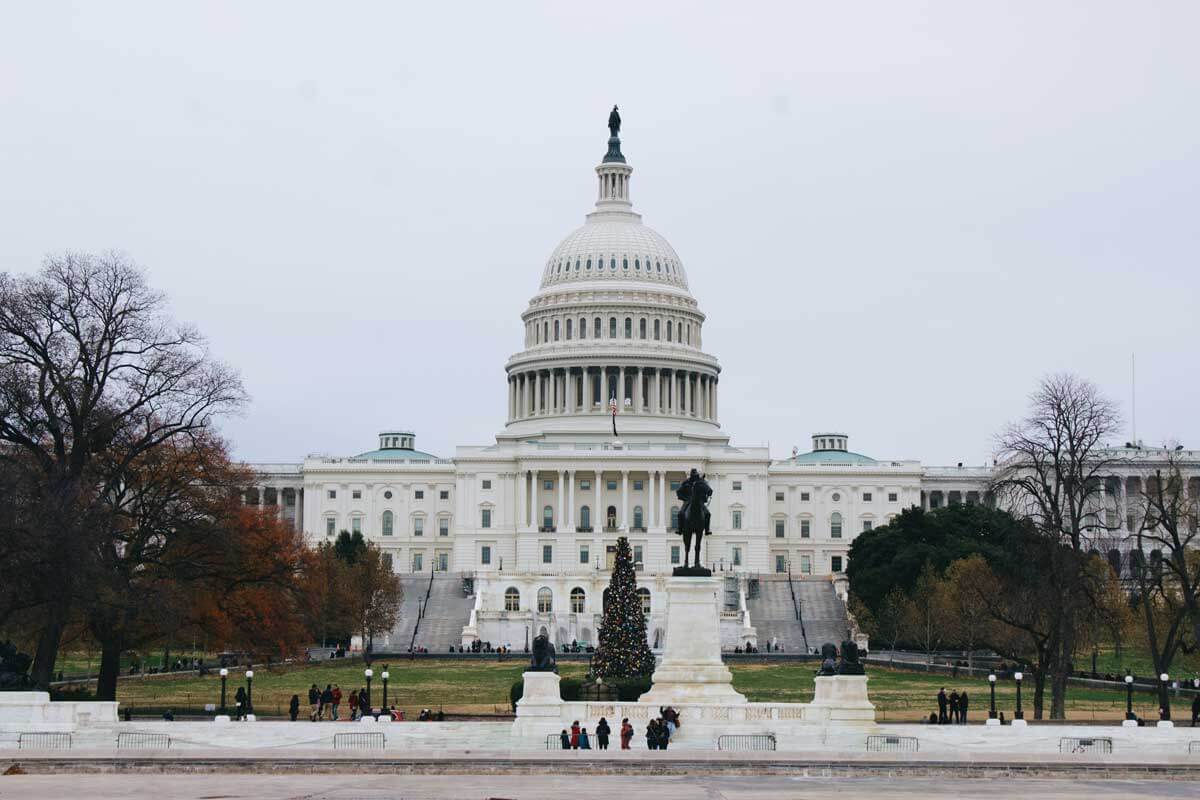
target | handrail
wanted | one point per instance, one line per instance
(412, 645)
(796, 608)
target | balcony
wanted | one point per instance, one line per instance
(611, 529)
(638, 529)
(547, 529)
(583, 529)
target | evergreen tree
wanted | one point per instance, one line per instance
(623, 651)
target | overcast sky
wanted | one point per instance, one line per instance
(897, 216)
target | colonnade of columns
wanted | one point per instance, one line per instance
(277, 496)
(566, 508)
(588, 390)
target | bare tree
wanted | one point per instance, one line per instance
(1051, 470)
(90, 363)
(927, 613)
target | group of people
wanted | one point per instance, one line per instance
(952, 709)
(658, 733)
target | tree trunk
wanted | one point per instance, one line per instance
(1039, 693)
(110, 667)
(49, 639)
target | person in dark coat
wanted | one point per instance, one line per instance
(565, 738)
(584, 744)
(364, 706)
(314, 702)
(602, 732)
(240, 699)
(954, 708)
(962, 708)
(943, 701)
(652, 735)
(664, 734)
(1195, 709)
(327, 701)
(294, 707)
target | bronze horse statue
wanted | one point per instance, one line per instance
(695, 520)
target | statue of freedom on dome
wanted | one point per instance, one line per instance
(614, 123)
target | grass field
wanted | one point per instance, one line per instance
(482, 688)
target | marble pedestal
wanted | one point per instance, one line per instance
(691, 670)
(843, 699)
(540, 708)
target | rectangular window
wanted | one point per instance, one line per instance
(548, 485)
(443, 526)
(780, 563)
(779, 497)
(487, 484)
(387, 561)
(612, 486)
(674, 554)
(584, 554)
(585, 485)
(419, 494)
(835, 563)
(485, 554)
(356, 494)
(443, 562)
(637, 554)
(356, 525)
(674, 486)
(780, 528)
(418, 526)
(737, 556)
(806, 565)
(637, 486)
(330, 526)
(418, 562)
(892, 497)
(737, 486)
(547, 554)
(804, 497)
(805, 528)
(485, 518)
(444, 494)
(867, 524)
(737, 520)
(866, 497)
(331, 494)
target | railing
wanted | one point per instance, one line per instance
(1069, 744)
(412, 644)
(44, 741)
(547, 529)
(892, 744)
(583, 528)
(1194, 746)
(554, 741)
(796, 608)
(359, 741)
(750, 741)
(143, 741)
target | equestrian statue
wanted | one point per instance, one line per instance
(695, 521)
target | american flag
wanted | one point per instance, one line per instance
(612, 405)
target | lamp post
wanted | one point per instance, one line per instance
(1019, 714)
(1164, 711)
(1129, 698)
(249, 691)
(368, 673)
(224, 677)
(384, 675)
(992, 684)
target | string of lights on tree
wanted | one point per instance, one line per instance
(623, 651)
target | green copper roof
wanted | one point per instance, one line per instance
(832, 457)
(396, 453)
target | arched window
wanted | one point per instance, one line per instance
(545, 600)
(545, 331)
(642, 328)
(585, 517)
(637, 264)
(512, 599)
(668, 330)
(547, 517)
(596, 330)
(624, 263)
(657, 329)
(675, 518)
(583, 327)
(611, 517)
(578, 599)
(835, 525)
(577, 265)
(658, 266)
(556, 330)
(644, 595)
(387, 523)
(628, 328)
(612, 263)
(689, 333)
(612, 327)
(637, 516)
(570, 325)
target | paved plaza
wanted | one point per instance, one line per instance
(353, 784)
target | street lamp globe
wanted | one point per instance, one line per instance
(992, 678)
(224, 672)
(1129, 679)
(1163, 677)
(370, 673)
(249, 673)
(1019, 675)
(384, 675)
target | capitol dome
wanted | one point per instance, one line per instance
(615, 249)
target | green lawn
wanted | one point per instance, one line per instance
(482, 687)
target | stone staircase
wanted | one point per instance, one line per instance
(773, 614)
(447, 610)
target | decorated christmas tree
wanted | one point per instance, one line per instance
(623, 650)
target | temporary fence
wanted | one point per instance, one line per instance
(892, 744)
(746, 741)
(44, 741)
(1093, 744)
(143, 741)
(359, 741)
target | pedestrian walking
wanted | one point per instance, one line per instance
(962, 708)
(337, 700)
(353, 700)
(626, 733)
(294, 707)
(314, 702)
(602, 732)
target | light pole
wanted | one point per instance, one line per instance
(1164, 711)
(224, 677)
(368, 673)
(249, 691)
(992, 684)
(384, 675)
(1019, 714)
(1129, 697)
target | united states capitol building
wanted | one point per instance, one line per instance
(519, 534)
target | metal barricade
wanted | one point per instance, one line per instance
(143, 741)
(44, 741)
(737, 742)
(1194, 746)
(1068, 744)
(359, 741)
(554, 741)
(892, 744)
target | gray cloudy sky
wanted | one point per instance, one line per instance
(897, 216)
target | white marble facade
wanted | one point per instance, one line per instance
(539, 510)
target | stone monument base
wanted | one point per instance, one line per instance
(540, 709)
(843, 698)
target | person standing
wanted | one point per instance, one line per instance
(1195, 709)
(954, 707)
(962, 708)
(626, 733)
(575, 735)
(565, 739)
(353, 700)
(942, 701)
(314, 703)
(327, 702)
(240, 699)
(364, 706)
(664, 734)
(294, 707)
(337, 700)
(584, 744)
(602, 732)
(652, 735)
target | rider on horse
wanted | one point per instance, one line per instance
(694, 517)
